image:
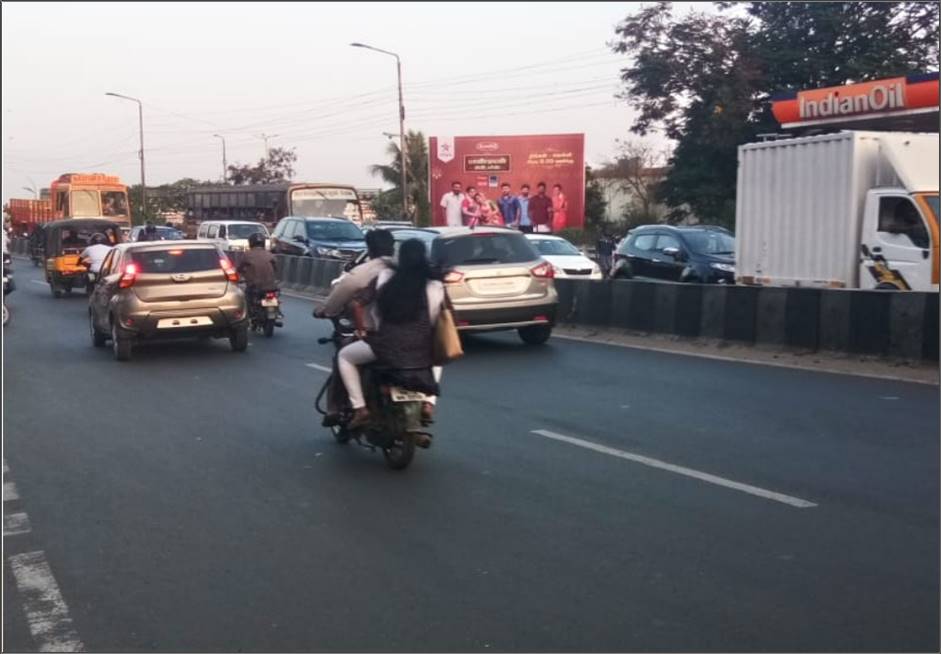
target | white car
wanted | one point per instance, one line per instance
(232, 235)
(567, 262)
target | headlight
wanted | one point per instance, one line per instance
(724, 267)
(558, 271)
(596, 269)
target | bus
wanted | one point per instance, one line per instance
(269, 203)
(75, 195)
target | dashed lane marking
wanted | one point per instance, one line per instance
(680, 470)
(317, 366)
(46, 612)
(9, 491)
(15, 524)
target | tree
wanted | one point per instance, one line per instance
(595, 203)
(416, 157)
(278, 166)
(166, 198)
(705, 80)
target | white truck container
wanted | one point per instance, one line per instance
(845, 210)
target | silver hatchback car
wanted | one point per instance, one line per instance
(166, 289)
(496, 280)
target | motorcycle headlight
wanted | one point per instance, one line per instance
(724, 267)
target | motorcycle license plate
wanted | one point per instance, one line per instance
(269, 303)
(402, 395)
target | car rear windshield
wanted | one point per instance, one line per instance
(554, 246)
(244, 231)
(709, 242)
(482, 248)
(182, 260)
(334, 231)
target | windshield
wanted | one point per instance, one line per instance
(482, 249)
(553, 246)
(113, 203)
(710, 242)
(85, 204)
(184, 260)
(326, 203)
(334, 231)
(932, 201)
(244, 231)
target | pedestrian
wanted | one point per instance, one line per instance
(524, 224)
(605, 250)
(560, 207)
(509, 206)
(452, 204)
(470, 208)
(540, 210)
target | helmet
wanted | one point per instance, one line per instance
(256, 240)
(98, 239)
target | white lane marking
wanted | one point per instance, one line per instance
(46, 612)
(36, 281)
(680, 470)
(888, 397)
(15, 524)
(5, 468)
(317, 366)
(9, 491)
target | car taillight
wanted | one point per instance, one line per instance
(453, 277)
(543, 270)
(271, 295)
(229, 269)
(129, 276)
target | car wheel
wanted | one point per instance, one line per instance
(97, 338)
(121, 345)
(535, 335)
(622, 271)
(238, 339)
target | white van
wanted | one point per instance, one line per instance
(232, 235)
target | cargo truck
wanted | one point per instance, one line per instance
(845, 210)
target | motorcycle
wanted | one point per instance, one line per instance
(397, 426)
(8, 285)
(265, 312)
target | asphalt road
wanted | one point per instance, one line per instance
(189, 501)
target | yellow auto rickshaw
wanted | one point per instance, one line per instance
(65, 241)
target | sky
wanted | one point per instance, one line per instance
(287, 70)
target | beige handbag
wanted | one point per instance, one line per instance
(447, 340)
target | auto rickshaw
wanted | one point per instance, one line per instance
(65, 241)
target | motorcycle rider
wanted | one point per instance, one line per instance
(380, 247)
(257, 268)
(149, 233)
(94, 255)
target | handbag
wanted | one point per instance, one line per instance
(447, 341)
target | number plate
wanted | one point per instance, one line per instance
(402, 395)
(182, 323)
(269, 303)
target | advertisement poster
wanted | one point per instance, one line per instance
(487, 162)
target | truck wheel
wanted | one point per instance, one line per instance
(535, 335)
(238, 339)
(120, 345)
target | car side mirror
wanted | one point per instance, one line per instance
(300, 239)
(671, 252)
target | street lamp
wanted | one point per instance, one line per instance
(265, 138)
(398, 68)
(140, 116)
(225, 167)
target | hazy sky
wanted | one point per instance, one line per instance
(286, 69)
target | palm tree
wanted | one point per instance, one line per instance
(416, 156)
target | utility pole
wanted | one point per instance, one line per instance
(265, 138)
(225, 165)
(398, 70)
(140, 116)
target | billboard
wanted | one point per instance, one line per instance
(486, 162)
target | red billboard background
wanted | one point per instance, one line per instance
(488, 161)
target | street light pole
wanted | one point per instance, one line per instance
(140, 117)
(225, 166)
(398, 70)
(265, 138)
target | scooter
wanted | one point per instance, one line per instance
(397, 427)
(8, 285)
(266, 313)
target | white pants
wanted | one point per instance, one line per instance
(356, 354)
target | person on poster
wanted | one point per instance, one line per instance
(452, 203)
(470, 207)
(524, 224)
(560, 206)
(540, 210)
(508, 205)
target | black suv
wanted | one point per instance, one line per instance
(327, 238)
(700, 254)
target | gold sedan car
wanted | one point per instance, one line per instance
(166, 289)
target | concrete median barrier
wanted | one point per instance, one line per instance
(302, 273)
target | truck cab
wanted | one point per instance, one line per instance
(899, 249)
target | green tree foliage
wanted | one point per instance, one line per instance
(705, 80)
(162, 199)
(277, 167)
(389, 203)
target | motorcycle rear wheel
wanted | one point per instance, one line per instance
(401, 453)
(269, 327)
